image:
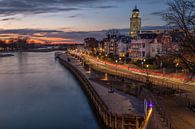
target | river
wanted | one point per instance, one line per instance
(36, 92)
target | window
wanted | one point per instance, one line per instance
(143, 54)
(143, 45)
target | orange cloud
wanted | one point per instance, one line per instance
(37, 38)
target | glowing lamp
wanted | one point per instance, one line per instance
(150, 105)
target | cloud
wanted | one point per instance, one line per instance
(14, 11)
(27, 31)
(106, 6)
(156, 1)
(8, 19)
(13, 7)
(74, 16)
(73, 36)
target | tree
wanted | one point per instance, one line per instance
(3, 44)
(181, 15)
(21, 43)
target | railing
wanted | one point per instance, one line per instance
(158, 109)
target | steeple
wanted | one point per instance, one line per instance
(135, 9)
(135, 23)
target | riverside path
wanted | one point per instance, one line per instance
(117, 103)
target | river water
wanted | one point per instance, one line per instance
(36, 92)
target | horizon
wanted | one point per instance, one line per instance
(80, 16)
(61, 37)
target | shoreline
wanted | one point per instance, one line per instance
(112, 118)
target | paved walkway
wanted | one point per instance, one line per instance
(117, 102)
(175, 107)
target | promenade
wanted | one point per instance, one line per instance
(128, 104)
(173, 107)
(116, 102)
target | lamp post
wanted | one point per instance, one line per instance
(106, 58)
(120, 59)
(147, 76)
(116, 66)
(147, 66)
(176, 66)
(143, 63)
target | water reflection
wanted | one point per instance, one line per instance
(36, 92)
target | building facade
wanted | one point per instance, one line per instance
(147, 45)
(117, 46)
(123, 46)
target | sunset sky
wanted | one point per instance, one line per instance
(77, 15)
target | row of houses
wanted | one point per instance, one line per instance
(147, 45)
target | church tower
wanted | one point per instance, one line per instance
(135, 23)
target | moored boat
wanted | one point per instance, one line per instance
(6, 54)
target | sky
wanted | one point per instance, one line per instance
(70, 21)
(76, 15)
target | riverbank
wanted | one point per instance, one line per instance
(181, 96)
(29, 50)
(6, 54)
(116, 110)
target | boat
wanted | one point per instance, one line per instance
(6, 54)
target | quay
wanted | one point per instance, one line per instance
(116, 110)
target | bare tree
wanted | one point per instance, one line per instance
(180, 14)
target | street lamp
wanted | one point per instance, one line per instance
(116, 65)
(147, 75)
(177, 64)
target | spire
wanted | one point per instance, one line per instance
(136, 9)
(136, 6)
